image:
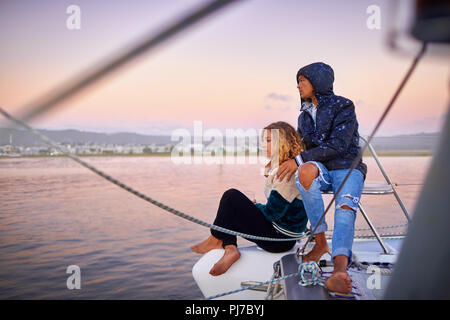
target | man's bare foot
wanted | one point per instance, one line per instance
(207, 245)
(230, 256)
(315, 253)
(339, 282)
(319, 249)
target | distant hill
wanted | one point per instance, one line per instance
(27, 139)
(413, 142)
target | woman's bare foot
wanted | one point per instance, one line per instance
(339, 282)
(319, 249)
(207, 245)
(230, 256)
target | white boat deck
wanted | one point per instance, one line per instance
(256, 265)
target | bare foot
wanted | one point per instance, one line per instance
(315, 254)
(319, 249)
(230, 256)
(339, 282)
(207, 245)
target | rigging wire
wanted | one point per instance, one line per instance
(53, 99)
(135, 192)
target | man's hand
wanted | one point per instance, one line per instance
(287, 168)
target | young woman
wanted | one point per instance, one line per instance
(283, 215)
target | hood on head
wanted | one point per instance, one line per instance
(321, 77)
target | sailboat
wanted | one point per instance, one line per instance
(394, 267)
(407, 266)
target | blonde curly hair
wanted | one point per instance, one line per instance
(289, 142)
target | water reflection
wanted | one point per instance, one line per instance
(55, 213)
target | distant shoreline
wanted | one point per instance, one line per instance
(168, 154)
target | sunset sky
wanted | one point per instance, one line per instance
(234, 70)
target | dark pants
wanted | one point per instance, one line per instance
(238, 213)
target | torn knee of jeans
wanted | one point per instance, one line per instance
(353, 206)
(355, 200)
(346, 207)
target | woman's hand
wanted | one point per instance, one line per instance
(287, 168)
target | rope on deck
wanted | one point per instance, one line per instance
(316, 274)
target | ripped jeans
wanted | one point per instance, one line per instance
(344, 219)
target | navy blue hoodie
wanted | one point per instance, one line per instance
(334, 139)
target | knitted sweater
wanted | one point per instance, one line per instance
(284, 207)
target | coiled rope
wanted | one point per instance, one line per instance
(316, 274)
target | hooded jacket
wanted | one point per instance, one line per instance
(333, 139)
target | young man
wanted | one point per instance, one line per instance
(329, 129)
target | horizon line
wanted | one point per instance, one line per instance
(168, 134)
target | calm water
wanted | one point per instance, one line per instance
(55, 213)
